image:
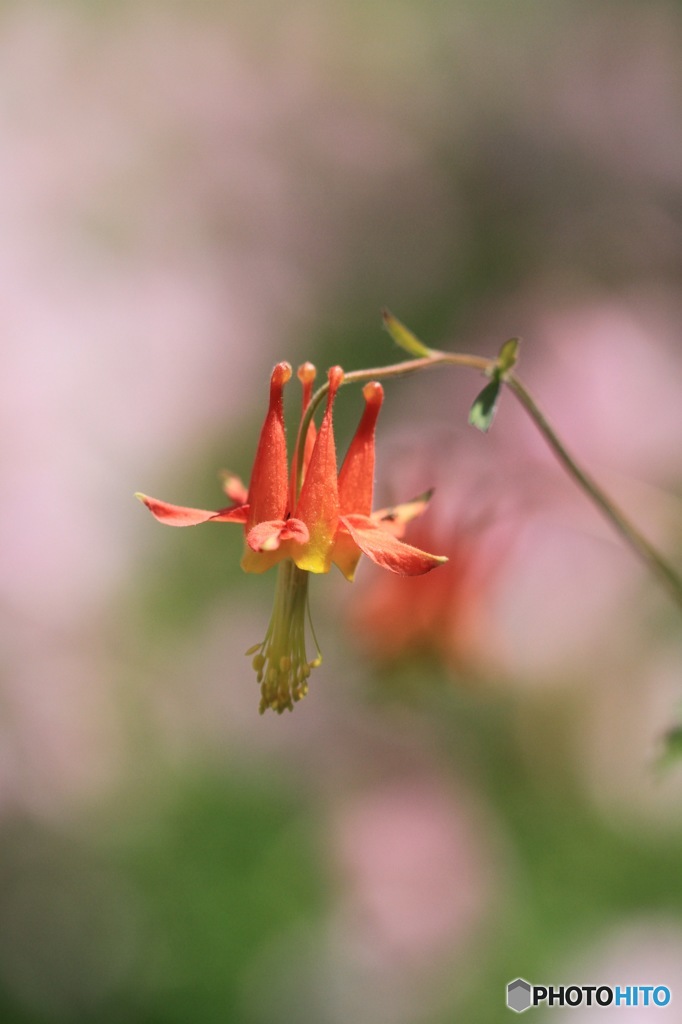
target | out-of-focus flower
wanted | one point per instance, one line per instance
(418, 872)
(329, 521)
(476, 525)
(448, 619)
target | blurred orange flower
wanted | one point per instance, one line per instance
(445, 618)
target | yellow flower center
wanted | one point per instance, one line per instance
(280, 661)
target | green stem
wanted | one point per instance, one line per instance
(632, 536)
(628, 531)
(381, 373)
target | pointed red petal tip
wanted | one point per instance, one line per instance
(180, 515)
(280, 375)
(306, 373)
(373, 393)
(335, 376)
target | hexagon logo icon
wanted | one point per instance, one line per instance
(518, 995)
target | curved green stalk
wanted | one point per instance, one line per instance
(628, 531)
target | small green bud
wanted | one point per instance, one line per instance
(404, 337)
(508, 356)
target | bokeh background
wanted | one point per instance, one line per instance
(189, 192)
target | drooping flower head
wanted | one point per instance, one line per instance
(328, 521)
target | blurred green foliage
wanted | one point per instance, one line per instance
(218, 875)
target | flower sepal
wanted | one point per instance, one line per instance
(387, 550)
(181, 515)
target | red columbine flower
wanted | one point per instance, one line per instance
(329, 521)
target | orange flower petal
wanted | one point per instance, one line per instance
(179, 515)
(318, 502)
(268, 489)
(387, 551)
(356, 478)
(269, 535)
(234, 488)
(395, 519)
(345, 554)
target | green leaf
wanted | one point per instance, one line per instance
(483, 410)
(404, 337)
(508, 356)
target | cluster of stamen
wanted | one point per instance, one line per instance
(280, 661)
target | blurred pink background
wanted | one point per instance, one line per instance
(191, 192)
